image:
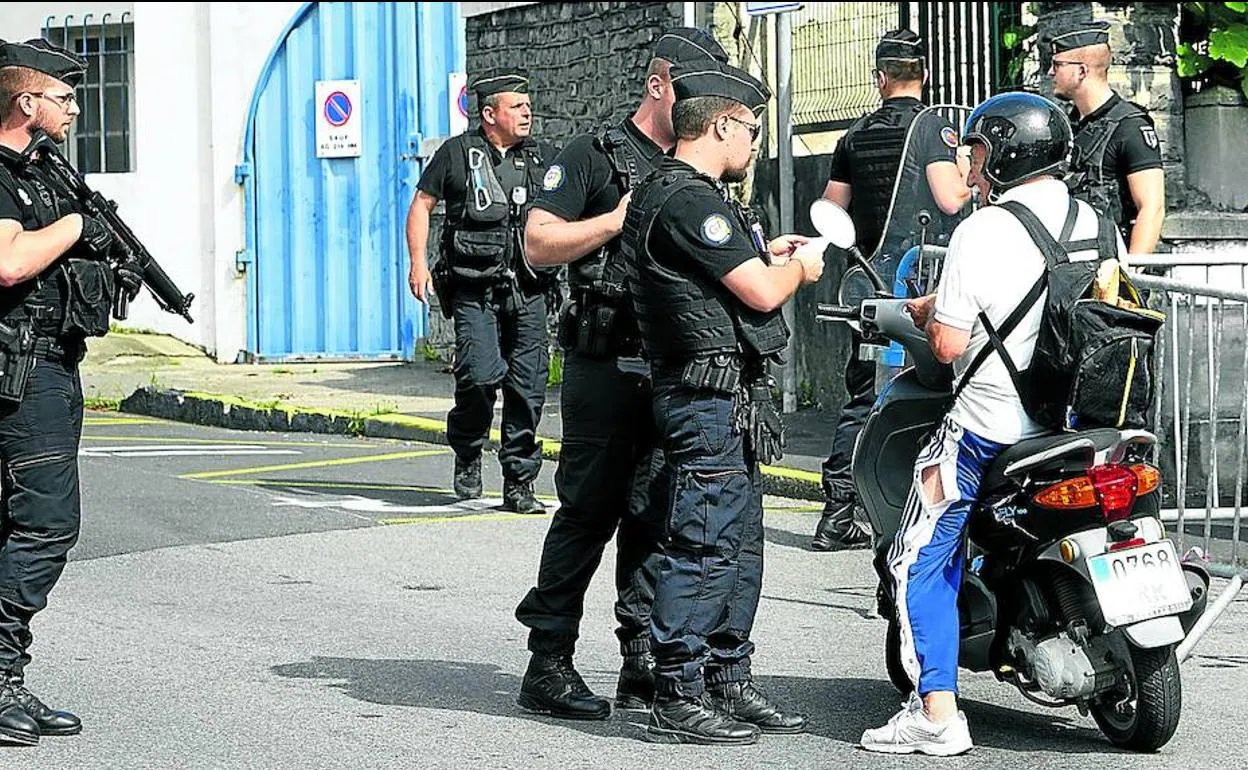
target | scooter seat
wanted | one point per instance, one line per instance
(1037, 452)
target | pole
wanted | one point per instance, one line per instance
(784, 140)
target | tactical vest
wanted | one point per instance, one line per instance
(487, 238)
(687, 316)
(875, 149)
(1088, 180)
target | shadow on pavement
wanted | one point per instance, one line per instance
(839, 709)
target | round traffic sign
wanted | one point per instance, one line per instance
(463, 101)
(337, 109)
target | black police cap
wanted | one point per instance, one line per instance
(900, 45)
(40, 55)
(501, 81)
(684, 45)
(713, 78)
(1079, 35)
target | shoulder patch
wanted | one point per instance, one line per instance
(716, 230)
(949, 137)
(1150, 136)
(553, 179)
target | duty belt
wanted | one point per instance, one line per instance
(64, 351)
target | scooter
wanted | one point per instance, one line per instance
(1071, 592)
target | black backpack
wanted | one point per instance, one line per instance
(1093, 365)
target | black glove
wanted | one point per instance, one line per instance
(95, 237)
(129, 275)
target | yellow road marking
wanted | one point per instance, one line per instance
(328, 485)
(182, 440)
(316, 464)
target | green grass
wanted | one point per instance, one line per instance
(102, 404)
(117, 329)
(555, 375)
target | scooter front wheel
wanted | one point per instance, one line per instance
(892, 659)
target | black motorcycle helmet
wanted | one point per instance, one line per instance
(1025, 135)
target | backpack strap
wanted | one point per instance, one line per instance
(997, 338)
(1053, 252)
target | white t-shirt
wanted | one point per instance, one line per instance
(991, 265)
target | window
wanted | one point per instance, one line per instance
(101, 140)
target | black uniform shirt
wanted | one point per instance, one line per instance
(446, 176)
(29, 199)
(1132, 147)
(579, 184)
(934, 140)
(698, 232)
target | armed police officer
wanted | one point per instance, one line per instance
(56, 289)
(488, 178)
(609, 479)
(897, 172)
(707, 290)
(1116, 163)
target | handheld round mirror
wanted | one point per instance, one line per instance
(832, 222)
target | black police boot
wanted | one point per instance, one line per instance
(745, 702)
(468, 478)
(518, 497)
(837, 530)
(635, 689)
(16, 726)
(50, 722)
(696, 720)
(552, 686)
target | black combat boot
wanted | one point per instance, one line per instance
(50, 722)
(635, 689)
(837, 530)
(677, 719)
(552, 686)
(745, 702)
(518, 497)
(16, 726)
(468, 478)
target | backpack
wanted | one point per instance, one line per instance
(1093, 365)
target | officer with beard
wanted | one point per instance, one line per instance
(707, 291)
(608, 481)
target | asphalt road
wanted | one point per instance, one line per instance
(245, 600)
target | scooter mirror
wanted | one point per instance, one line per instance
(832, 222)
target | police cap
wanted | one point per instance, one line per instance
(501, 81)
(684, 45)
(1079, 35)
(713, 78)
(900, 45)
(40, 55)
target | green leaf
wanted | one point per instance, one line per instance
(1239, 7)
(1009, 39)
(1191, 63)
(1230, 44)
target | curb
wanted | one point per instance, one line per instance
(238, 414)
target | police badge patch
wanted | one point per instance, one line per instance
(715, 230)
(949, 137)
(553, 179)
(1150, 136)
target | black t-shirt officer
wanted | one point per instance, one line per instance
(57, 290)
(608, 479)
(707, 289)
(1116, 162)
(488, 178)
(891, 166)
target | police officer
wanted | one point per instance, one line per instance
(707, 290)
(57, 289)
(609, 460)
(867, 167)
(1116, 163)
(488, 178)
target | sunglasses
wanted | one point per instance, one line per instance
(754, 128)
(62, 99)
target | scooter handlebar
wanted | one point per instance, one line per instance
(825, 312)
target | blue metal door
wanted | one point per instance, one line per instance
(326, 254)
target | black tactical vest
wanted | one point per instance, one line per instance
(687, 316)
(1088, 180)
(487, 238)
(875, 148)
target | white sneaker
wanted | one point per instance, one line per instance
(910, 731)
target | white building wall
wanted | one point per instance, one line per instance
(196, 66)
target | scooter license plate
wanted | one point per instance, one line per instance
(1139, 583)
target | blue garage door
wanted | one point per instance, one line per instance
(326, 255)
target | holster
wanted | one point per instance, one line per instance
(443, 286)
(17, 358)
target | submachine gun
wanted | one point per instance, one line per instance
(162, 288)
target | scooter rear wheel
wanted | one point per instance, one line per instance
(1150, 715)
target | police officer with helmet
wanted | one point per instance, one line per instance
(887, 183)
(708, 290)
(1116, 162)
(56, 289)
(609, 479)
(488, 178)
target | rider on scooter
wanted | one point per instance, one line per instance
(1019, 144)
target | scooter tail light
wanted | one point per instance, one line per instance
(1116, 487)
(1071, 494)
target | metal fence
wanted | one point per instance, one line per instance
(100, 140)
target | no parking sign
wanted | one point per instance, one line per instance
(338, 121)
